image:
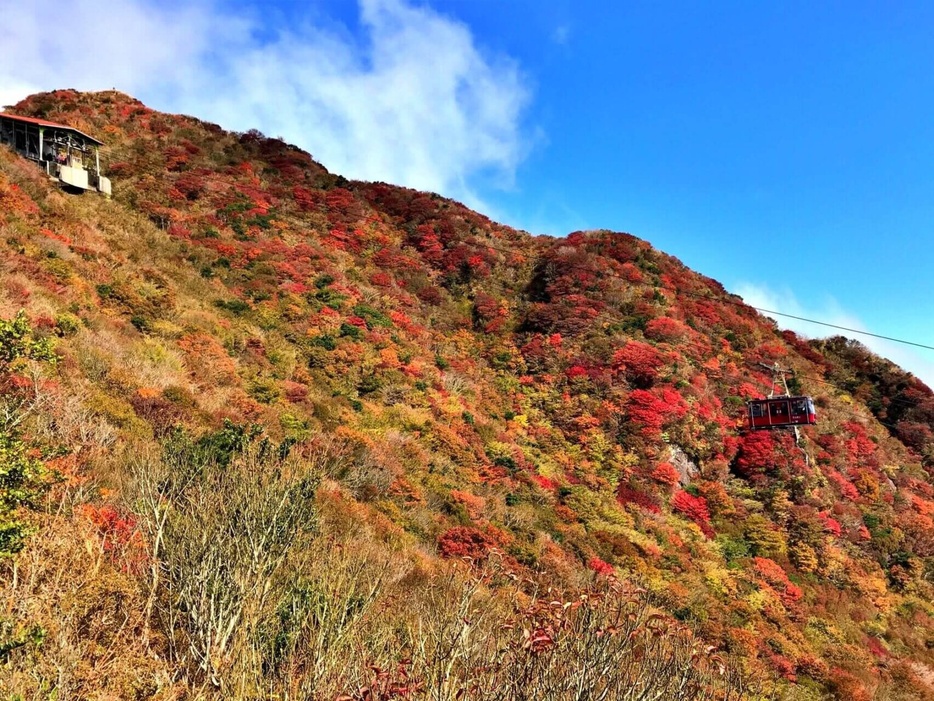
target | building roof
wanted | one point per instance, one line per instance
(47, 123)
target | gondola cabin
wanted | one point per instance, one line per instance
(67, 155)
(780, 412)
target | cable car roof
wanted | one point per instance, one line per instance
(780, 397)
(49, 125)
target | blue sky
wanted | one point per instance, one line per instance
(785, 149)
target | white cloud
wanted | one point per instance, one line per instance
(412, 101)
(89, 44)
(917, 361)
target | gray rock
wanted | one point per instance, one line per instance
(687, 469)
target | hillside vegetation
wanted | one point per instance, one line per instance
(269, 433)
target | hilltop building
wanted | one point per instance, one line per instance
(65, 153)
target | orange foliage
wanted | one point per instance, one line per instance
(14, 201)
(207, 359)
(665, 473)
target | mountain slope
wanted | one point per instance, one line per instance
(566, 414)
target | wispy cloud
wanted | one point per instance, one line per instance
(828, 310)
(88, 44)
(412, 100)
(561, 34)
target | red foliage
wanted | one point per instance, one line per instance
(295, 392)
(803, 348)
(343, 208)
(427, 243)
(390, 258)
(627, 494)
(14, 200)
(190, 185)
(489, 313)
(705, 311)
(773, 575)
(119, 534)
(756, 454)
(465, 542)
(430, 295)
(381, 279)
(602, 568)
(545, 483)
(351, 242)
(665, 329)
(116, 528)
(831, 525)
(846, 686)
(843, 484)
(306, 199)
(875, 647)
(693, 508)
(651, 410)
(665, 473)
(914, 435)
(784, 666)
(569, 314)
(748, 391)
(43, 322)
(631, 273)
(859, 445)
(639, 362)
(401, 320)
(769, 352)
(813, 666)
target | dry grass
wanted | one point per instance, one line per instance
(79, 618)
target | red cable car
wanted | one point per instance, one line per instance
(780, 412)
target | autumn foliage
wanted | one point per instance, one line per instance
(449, 422)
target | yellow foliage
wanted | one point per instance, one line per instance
(757, 600)
(720, 581)
(823, 632)
(118, 412)
(803, 557)
(166, 329)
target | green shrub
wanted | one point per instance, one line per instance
(264, 391)
(22, 483)
(350, 331)
(325, 341)
(67, 324)
(373, 317)
(23, 477)
(18, 343)
(369, 384)
(237, 307)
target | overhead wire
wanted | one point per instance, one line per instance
(742, 304)
(739, 303)
(842, 328)
(745, 304)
